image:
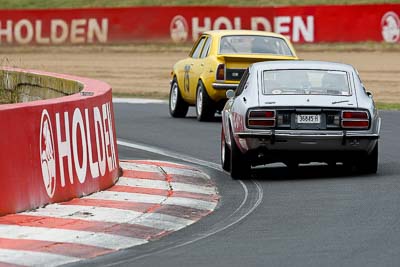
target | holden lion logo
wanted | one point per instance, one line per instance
(47, 155)
(179, 29)
(390, 27)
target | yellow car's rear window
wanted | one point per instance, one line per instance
(253, 44)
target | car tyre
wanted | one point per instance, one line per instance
(205, 108)
(178, 108)
(225, 153)
(331, 164)
(348, 166)
(370, 163)
(240, 165)
(293, 166)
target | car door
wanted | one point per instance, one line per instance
(184, 70)
(199, 65)
(193, 69)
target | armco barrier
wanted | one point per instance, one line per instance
(301, 24)
(56, 149)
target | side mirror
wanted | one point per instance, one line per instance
(230, 94)
(369, 94)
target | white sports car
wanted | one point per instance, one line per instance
(299, 112)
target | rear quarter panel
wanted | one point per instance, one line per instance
(366, 102)
(241, 104)
(179, 73)
(208, 77)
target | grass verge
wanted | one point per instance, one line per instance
(388, 106)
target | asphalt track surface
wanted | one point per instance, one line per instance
(314, 217)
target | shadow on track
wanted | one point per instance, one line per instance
(306, 172)
(212, 120)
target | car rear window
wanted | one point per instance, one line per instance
(253, 44)
(306, 82)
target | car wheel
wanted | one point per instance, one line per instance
(240, 165)
(178, 108)
(370, 162)
(292, 165)
(348, 166)
(331, 164)
(205, 109)
(225, 153)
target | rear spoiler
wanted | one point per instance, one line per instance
(254, 58)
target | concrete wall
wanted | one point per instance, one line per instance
(19, 87)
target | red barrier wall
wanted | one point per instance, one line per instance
(312, 24)
(54, 150)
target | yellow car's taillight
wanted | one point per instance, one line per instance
(220, 74)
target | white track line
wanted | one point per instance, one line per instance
(170, 154)
(112, 215)
(31, 258)
(71, 236)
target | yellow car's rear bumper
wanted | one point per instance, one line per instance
(224, 86)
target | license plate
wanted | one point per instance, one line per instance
(308, 118)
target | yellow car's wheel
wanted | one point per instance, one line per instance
(178, 108)
(205, 107)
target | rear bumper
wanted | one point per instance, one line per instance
(224, 86)
(305, 134)
(270, 146)
(307, 141)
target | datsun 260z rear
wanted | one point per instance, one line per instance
(299, 112)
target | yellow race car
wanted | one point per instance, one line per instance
(216, 63)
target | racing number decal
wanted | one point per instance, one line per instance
(186, 78)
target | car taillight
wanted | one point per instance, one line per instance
(261, 118)
(355, 119)
(220, 74)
